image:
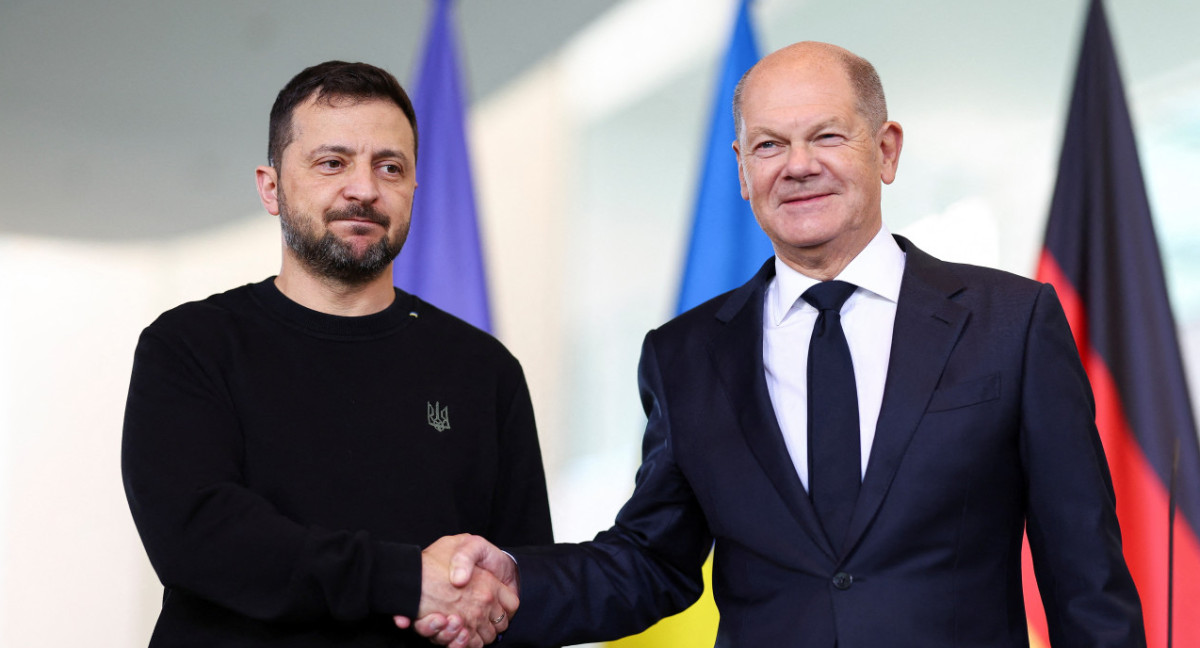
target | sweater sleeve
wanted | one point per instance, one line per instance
(206, 533)
(520, 508)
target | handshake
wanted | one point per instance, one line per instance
(460, 604)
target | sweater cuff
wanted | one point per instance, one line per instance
(396, 581)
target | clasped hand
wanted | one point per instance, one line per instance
(461, 605)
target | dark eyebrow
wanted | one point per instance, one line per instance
(346, 150)
(331, 148)
(391, 153)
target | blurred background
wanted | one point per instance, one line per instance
(130, 131)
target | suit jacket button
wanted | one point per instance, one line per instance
(842, 580)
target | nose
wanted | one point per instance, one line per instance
(802, 162)
(361, 184)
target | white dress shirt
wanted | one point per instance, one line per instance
(867, 319)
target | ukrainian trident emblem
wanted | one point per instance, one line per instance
(439, 418)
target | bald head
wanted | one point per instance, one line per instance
(805, 56)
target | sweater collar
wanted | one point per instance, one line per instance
(399, 314)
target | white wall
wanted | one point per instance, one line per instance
(72, 571)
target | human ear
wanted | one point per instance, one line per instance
(891, 140)
(268, 188)
(737, 152)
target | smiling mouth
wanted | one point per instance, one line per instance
(807, 198)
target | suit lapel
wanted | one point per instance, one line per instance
(737, 353)
(928, 325)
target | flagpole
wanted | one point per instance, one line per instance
(1171, 494)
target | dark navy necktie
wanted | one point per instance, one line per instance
(834, 458)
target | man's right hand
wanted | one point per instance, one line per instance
(461, 605)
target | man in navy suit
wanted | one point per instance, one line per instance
(975, 423)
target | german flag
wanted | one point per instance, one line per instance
(1102, 257)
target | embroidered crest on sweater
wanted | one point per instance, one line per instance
(438, 417)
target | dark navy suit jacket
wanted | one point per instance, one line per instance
(987, 425)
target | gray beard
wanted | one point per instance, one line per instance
(329, 256)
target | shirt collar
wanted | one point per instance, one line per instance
(877, 269)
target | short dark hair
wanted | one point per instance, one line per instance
(871, 102)
(330, 81)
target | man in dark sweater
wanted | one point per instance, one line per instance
(291, 446)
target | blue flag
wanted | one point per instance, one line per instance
(727, 246)
(442, 262)
(726, 249)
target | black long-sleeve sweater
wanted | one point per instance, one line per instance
(285, 467)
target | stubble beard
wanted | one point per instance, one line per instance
(328, 256)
